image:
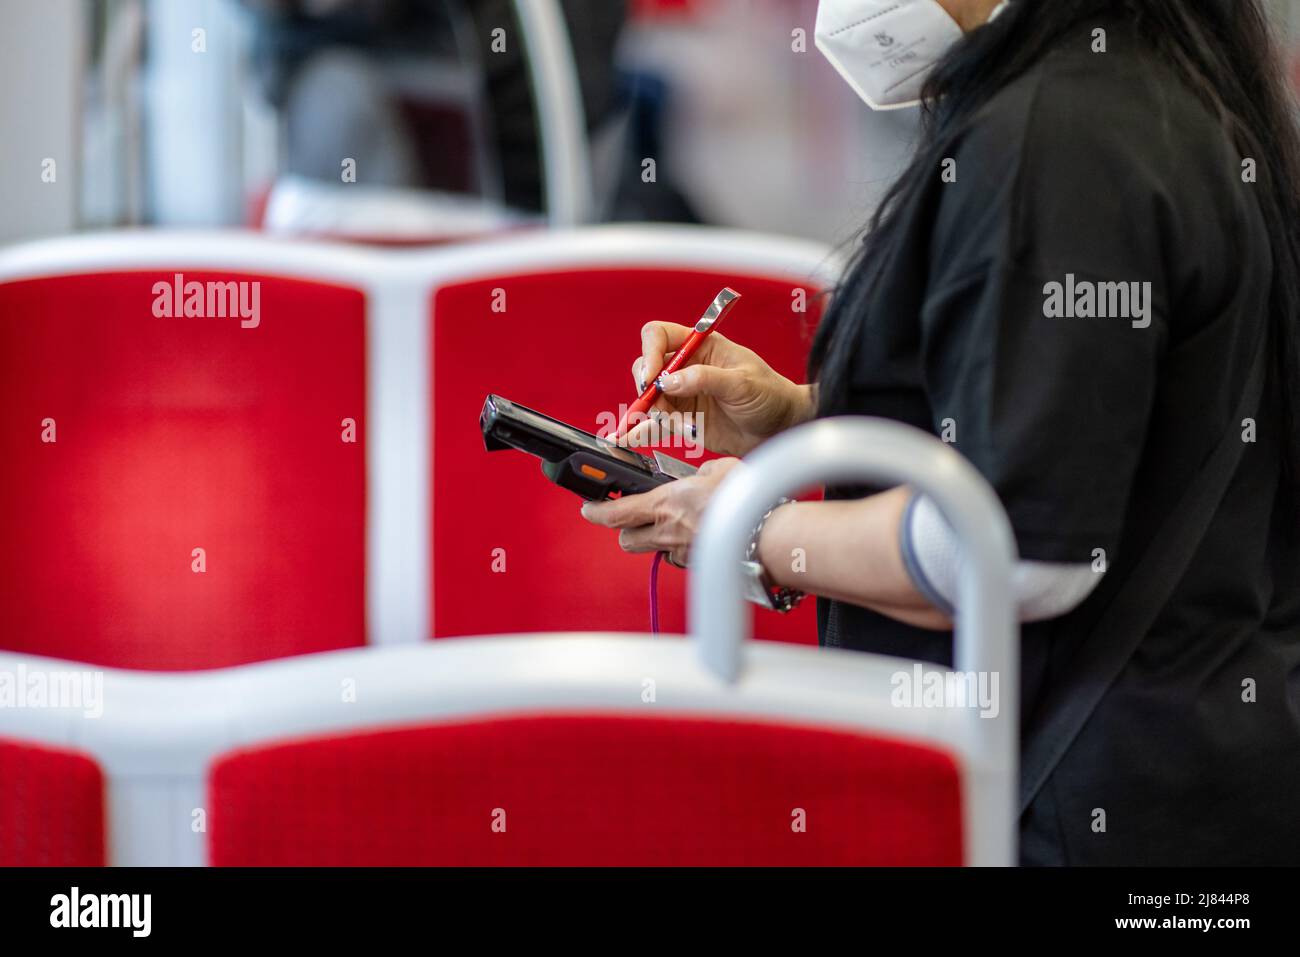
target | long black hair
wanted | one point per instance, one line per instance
(1222, 50)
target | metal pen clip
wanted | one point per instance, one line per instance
(721, 303)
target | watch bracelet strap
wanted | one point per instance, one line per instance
(780, 598)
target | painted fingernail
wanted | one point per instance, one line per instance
(667, 382)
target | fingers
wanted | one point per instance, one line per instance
(641, 540)
(633, 516)
(644, 432)
(659, 423)
(640, 521)
(638, 371)
(630, 511)
(723, 384)
(638, 540)
(664, 519)
(657, 340)
(651, 538)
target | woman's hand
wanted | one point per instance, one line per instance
(664, 519)
(733, 398)
(849, 549)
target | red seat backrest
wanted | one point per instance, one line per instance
(175, 434)
(564, 345)
(591, 789)
(51, 807)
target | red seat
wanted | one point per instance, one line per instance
(588, 789)
(174, 434)
(51, 807)
(564, 345)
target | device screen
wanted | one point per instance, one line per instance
(578, 437)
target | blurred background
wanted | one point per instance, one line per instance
(413, 121)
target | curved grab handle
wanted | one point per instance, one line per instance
(857, 449)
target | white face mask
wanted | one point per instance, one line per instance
(885, 49)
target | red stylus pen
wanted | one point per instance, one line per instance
(720, 306)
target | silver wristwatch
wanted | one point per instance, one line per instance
(758, 587)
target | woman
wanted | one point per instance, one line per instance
(1097, 237)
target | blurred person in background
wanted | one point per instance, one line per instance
(436, 95)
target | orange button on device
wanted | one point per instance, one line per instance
(592, 472)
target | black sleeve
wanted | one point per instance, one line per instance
(1053, 411)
